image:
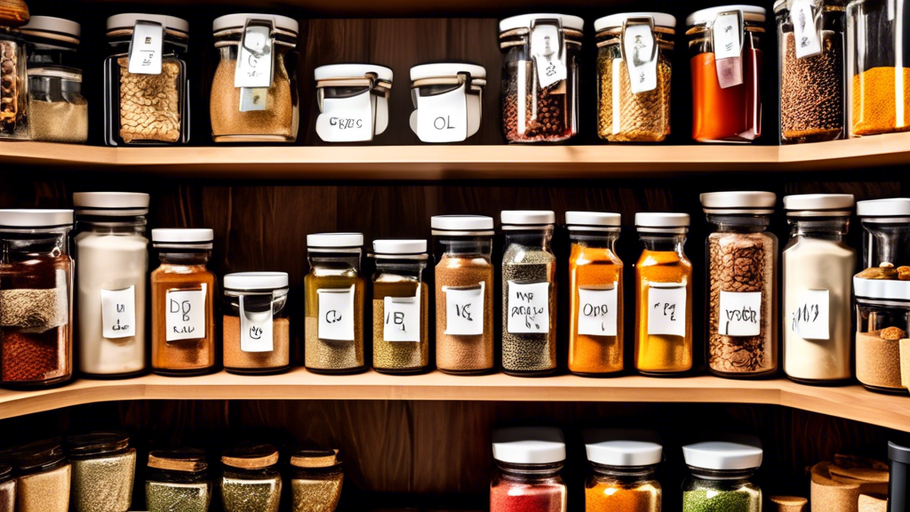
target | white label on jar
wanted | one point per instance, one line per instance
(336, 314)
(256, 330)
(529, 308)
(145, 48)
(443, 117)
(640, 55)
(118, 313)
(810, 318)
(346, 119)
(464, 310)
(597, 311)
(805, 33)
(667, 309)
(549, 55)
(740, 314)
(255, 59)
(728, 48)
(185, 319)
(254, 99)
(402, 318)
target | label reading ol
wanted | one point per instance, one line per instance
(145, 48)
(336, 314)
(810, 320)
(529, 308)
(597, 311)
(185, 314)
(464, 310)
(402, 318)
(346, 119)
(118, 313)
(443, 117)
(667, 309)
(256, 329)
(740, 314)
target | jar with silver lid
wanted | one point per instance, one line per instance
(448, 101)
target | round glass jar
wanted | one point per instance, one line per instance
(43, 474)
(52, 41)
(256, 334)
(451, 95)
(528, 465)
(721, 477)
(7, 489)
(36, 298)
(639, 44)
(104, 466)
(251, 480)
(540, 76)
(622, 472)
(13, 85)
(353, 101)
(177, 480)
(316, 480)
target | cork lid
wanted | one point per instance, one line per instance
(184, 460)
(529, 445)
(315, 459)
(251, 456)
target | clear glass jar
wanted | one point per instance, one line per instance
(183, 290)
(104, 466)
(812, 91)
(145, 104)
(818, 268)
(111, 277)
(726, 84)
(452, 99)
(177, 480)
(622, 476)
(540, 76)
(721, 477)
(741, 303)
(250, 479)
(257, 331)
(353, 101)
(316, 480)
(334, 304)
(634, 110)
(7, 489)
(595, 294)
(44, 476)
(464, 293)
(36, 298)
(267, 107)
(663, 296)
(52, 41)
(528, 293)
(528, 465)
(13, 86)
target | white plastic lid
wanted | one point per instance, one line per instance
(819, 204)
(335, 240)
(617, 20)
(529, 445)
(256, 281)
(61, 72)
(399, 246)
(881, 289)
(622, 448)
(238, 20)
(524, 21)
(128, 20)
(579, 220)
(461, 223)
(52, 24)
(759, 203)
(446, 69)
(183, 235)
(336, 71)
(661, 220)
(723, 456)
(895, 207)
(750, 13)
(111, 203)
(528, 217)
(35, 218)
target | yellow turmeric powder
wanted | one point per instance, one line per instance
(594, 268)
(662, 352)
(881, 101)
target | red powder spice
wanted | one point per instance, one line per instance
(33, 357)
(523, 497)
(732, 114)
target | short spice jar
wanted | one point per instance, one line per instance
(663, 296)
(634, 76)
(254, 95)
(13, 73)
(353, 101)
(448, 101)
(256, 334)
(528, 293)
(401, 332)
(464, 293)
(899, 477)
(528, 465)
(540, 76)
(741, 300)
(316, 480)
(7, 489)
(104, 466)
(818, 268)
(721, 477)
(250, 479)
(595, 294)
(622, 475)
(146, 85)
(177, 480)
(43, 474)
(36, 298)
(335, 291)
(183, 289)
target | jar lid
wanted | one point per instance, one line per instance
(61, 72)
(780, 5)
(723, 456)
(661, 220)
(235, 21)
(617, 20)
(112, 204)
(529, 445)
(187, 460)
(527, 217)
(128, 21)
(894, 207)
(36, 218)
(335, 240)
(34, 456)
(461, 223)
(881, 289)
(819, 205)
(611, 447)
(97, 443)
(750, 13)
(446, 69)
(175, 238)
(525, 20)
(580, 220)
(403, 247)
(336, 71)
(739, 203)
(251, 281)
(252, 456)
(315, 459)
(896, 453)
(53, 28)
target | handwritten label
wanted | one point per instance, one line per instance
(145, 48)
(640, 55)
(597, 311)
(402, 318)
(347, 119)
(667, 309)
(805, 33)
(529, 308)
(254, 61)
(740, 314)
(256, 326)
(464, 310)
(443, 117)
(810, 320)
(336, 314)
(549, 57)
(185, 319)
(728, 49)
(118, 313)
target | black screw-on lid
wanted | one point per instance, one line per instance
(6, 473)
(33, 457)
(898, 453)
(96, 443)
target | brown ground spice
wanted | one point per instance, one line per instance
(278, 358)
(546, 116)
(464, 354)
(812, 92)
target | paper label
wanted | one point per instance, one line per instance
(402, 318)
(464, 310)
(640, 55)
(529, 308)
(597, 311)
(346, 119)
(443, 117)
(185, 314)
(118, 313)
(145, 48)
(667, 309)
(336, 314)
(805, 33)
(810, 320)
(549, 57)
(254, 99)
(728, 49)
(740, 314)
(255, 59)
(256, 328)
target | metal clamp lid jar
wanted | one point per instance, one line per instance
(353, 101)
(448, 101)
(256, 326)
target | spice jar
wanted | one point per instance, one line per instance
(334, 304)
(899, 477)
(52, 41)
(663, 295)
(146, 89)
(316, 479)
(622, 472)
(254, 96)
(448, 101)
(44, 477)
(818, 268)
(528, 293)
(111, 275)
(595, 294)
(810, 37)
(257, 334)
(13, 77)
(741, 307)
(177, 480)
(528, 465)
(7, 489)
(540, 76)
(401, 333)
(251, 480)
(353, 101)
(640, 45)
(721, 477)
(36, 298)
(104, 466)
(464, 293)
(183, 325)
(725, 52)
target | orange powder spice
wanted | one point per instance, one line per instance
(591, 267)
(601, 496)
(662, 353)
(731, 114)
(875, 101)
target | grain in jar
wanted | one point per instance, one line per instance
(7, 489)
(353, 101)
(43, 474)
(13, 77)
(316, 480)
(177, 480)
(104, 466)
(527, 478)
(622, 474)
(721, 476)
(256, 333)
(250, 479)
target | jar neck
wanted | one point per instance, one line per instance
(740, 223)
(529, 471)
(595, 239)
(198, 258)
(664, 242)
(112, 225)
(728, 475)
(335, 259)
(834, 229)
(540, 237)
(624, 473)
(467, 246)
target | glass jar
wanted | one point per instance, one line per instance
(818, 268)
(812, 105)
(257, 101)
(622, 477)
(528, 465)
(663, 296)
(528, 293)
(334, 304)
(44, 477)
(464, 293)
(741, 304)
(52, 41)
(183, 324)
(111, 276)
(257, 333)
(146, 85)
(177, 480)
(401, 333)
(251, 480)
(726, 84)
(595, 294)
(36, 298)
(540, 76)
(721, 477)
(7, 489)
(899, 477)
(634, 110)
(316, 480)
(353, 101)
(13, 83)
(104, 466)
(452, 99)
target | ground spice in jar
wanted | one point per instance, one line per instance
(279, 357)
(545, 109)
(58, 121)
(333, 355)
(812, 91)
(12, 108)
(623, 116)
(277, 120)
(662, 353)
(604, 497)
(732, 114)
(150, 104)
(528, 352)
(7, 489)
(171, 497)
(245, 494)
(878, 356)
(316, 480)
(400, 355)
(177, 480)
(720, 500)
(103, 484)
(464, 353)
(875, 101)
(594, 268)
(523, 497)
(44, 477)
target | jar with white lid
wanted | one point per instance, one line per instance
(622, 475)
(540, 76)
(721, 477)
(448, 101)
(256, 334)
(13, 75)
(528, 461)
(353, 101)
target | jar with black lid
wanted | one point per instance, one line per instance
(104, 466)
(43, 474)
(177, 480)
